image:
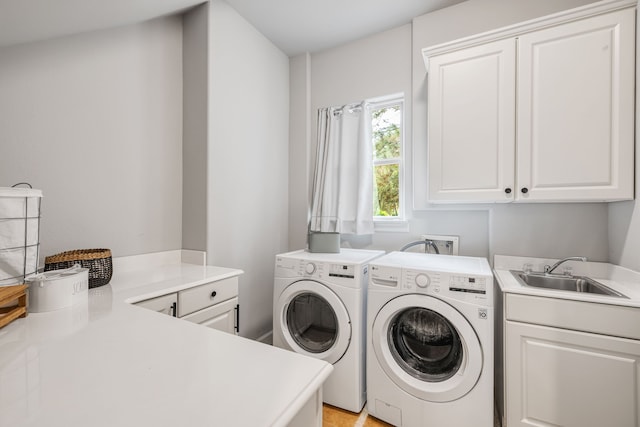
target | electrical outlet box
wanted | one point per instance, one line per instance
(447, 245)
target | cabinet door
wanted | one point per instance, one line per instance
(576, 110)
(557, 377)
(471, 125)
(220, 316)
(166, 304)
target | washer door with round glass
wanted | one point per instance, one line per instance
(427, 347)
(314, 321)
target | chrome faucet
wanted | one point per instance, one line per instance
(549, 270)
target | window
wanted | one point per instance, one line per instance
(387, 139)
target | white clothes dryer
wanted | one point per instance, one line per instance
(319, 310)
(430, 340)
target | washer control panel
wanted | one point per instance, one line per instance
(459, 286)
(422, 280)
(387, 277)
(469, 284)
(310, 268)
(458, 278)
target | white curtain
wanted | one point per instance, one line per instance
(343, 180)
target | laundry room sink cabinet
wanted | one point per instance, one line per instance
(565, 367)
(540, 111)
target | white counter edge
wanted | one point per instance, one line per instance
(312, 388)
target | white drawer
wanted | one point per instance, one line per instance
(203, 296)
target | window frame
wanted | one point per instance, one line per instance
(395, 223)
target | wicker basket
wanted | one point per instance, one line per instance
(98, 261)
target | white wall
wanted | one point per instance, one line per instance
(195, 137)
(247, 195)
(391, 62)
(95, 121)
(299, 149)
(624, 233)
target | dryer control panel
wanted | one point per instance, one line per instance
(342, 270)
(324, 269)
(345, 274)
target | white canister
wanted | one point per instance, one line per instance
(58, 289)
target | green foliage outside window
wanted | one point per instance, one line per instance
(385, 126)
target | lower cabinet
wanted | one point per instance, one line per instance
(560, 377)
(214, 305)
(165, 304)
(222, 316)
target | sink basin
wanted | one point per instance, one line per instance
(564, 283)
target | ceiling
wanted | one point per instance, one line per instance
(295, 26)
(298, 26)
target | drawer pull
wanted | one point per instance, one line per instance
(213, 294)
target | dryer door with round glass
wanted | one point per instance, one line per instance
(427, 348)
(314, 321)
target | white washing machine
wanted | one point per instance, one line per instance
(319, 310)
(430, 340)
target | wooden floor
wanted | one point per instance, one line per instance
(336, 417)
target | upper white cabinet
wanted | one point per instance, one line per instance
(540, 113)
(472, 123)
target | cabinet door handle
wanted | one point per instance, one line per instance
(174, 309)
(524, 190)
(507, 190)
(213, 294)
(237, 325)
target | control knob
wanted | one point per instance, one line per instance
(310, 268)
(422, 280)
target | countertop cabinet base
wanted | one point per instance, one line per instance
(214, 305)
(222, 316)
(559, 377)
(165, 304)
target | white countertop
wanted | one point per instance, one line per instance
(109, 363)
(622, 280)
